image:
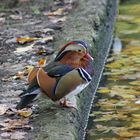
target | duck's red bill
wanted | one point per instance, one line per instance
(89, 56)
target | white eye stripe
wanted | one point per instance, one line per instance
(72, 47)
(75, 47)
(82, 45)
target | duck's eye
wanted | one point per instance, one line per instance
(79, 50)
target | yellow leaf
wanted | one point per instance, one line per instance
(122, 92)
(101, 127)
(135, 120)
(25, 40)
(115, 65)
(108, 117)
(135, 126)
(135, 83)
(103, 90)
(25, 113)
(58, 12)
(136, 115)
(126, 134)
(127, 96)
(42, 62)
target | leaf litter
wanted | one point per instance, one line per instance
(120, 95)
(15, 124)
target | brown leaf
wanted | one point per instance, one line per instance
(10, 125)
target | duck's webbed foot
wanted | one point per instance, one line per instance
(69, 103)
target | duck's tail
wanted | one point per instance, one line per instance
(28, 97)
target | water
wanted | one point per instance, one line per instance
(116, 112)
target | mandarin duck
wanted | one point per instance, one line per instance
(69, 73)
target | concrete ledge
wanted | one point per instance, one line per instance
(90, 20)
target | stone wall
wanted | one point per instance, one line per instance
(91, 20)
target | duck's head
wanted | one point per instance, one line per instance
(74, 51)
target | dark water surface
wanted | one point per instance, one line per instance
(116, 110)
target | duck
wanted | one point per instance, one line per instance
(62, 79)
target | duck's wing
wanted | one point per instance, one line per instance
(72, 82)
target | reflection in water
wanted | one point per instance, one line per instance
(116, 114)
(117, 46)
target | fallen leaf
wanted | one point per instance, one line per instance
(44, 51)
(136, 115)
(24, 40)
(135, 83)
(126, 134)
(42, 62)
(58, 12)
(105, 90)
(131, 76)
(108, 117)
(25, 49)
(122, 92)
(135, 126)
(25, 112)
(101, 127)
(115, 65)
(10, 125)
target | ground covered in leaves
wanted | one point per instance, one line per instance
(116, 114)
(28, 30)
